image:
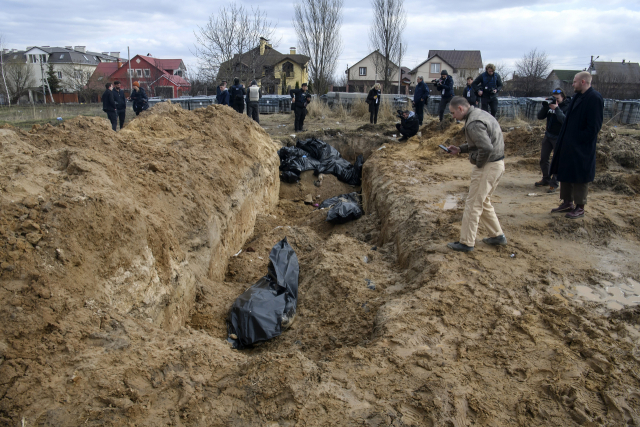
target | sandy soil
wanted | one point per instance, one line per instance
(393, 329)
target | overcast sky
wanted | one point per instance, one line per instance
(569, 31)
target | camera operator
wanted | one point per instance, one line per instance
(488, 84)
(445, 87)
(408, 125)
(553, 110)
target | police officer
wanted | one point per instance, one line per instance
(253, 96)
(300, 99)
(488, 84)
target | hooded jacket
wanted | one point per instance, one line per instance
(410, 124)
(555, 118)
(445, 87)
(485, 142)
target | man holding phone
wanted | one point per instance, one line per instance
(485, 145)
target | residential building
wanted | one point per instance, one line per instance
(73, 66)
(619, 80)
(362, 75)
(274, 72)
(460, 64)
(562, 79)
(164, 78)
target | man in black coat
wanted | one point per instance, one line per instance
(109, 106)
(487, 85)
(420, 99)
(408, 125)
(574, 158)
(300, 99)
(237, 94)
(445, 87)
(121, 102)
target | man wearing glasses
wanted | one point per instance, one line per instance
(574, 158)
(553, 110)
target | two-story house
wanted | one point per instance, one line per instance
(460, 64)
(274, 72)
(362, 75)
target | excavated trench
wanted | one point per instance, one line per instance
(392, 329)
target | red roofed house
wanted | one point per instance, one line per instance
(158, 77)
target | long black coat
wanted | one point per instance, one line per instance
(574, 158)
(372, 102)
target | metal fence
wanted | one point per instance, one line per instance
(627, 112)
(187, 102)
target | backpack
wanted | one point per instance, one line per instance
(237, 96)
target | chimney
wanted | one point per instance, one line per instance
(292, 50)
(105, 53)
(5, 50)
(82, 49)
(623, 61)
(263, 43)
(30, 47)
(116, 54)
(119, 63)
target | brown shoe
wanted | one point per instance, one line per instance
(564, 207)
(541, 183)
(578, 212)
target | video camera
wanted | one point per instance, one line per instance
(400, 114)
(549, 101)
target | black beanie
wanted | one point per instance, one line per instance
(444, 73)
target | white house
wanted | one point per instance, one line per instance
(460, 64)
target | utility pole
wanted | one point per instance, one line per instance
(129, 71)
(44, 90)
(400, 68)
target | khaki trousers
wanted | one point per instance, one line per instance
(477, 208)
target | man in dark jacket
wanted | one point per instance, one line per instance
(488, 84)
(253, 100)
(574, 158)
(408, 125)
(373, 99)
(222, 95)
(420, 99)
(109, 106)
(237, 94)
(121, 102)
(139, 98)
(300, 99)
(445, 87)
(554, 113)
(469, 93)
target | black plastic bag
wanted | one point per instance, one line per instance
(343, 208)
(316, 155)
(269, 306)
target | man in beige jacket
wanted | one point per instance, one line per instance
(485, 146)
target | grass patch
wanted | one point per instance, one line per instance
(25, 116)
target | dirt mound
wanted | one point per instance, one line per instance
(524, 141)
(104, 233)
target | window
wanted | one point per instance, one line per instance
(62, 56)
(130, 72)
(147, 72)
(435, 68)
(59, 73)
(178, 73)
(100, 78)
(139, 72)
(363, 71)
(85, 57)
(77, 74)
(287, 69)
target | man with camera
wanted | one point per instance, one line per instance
(408, 125)
(445, 87)
(553, 110)
(469, 93)
(488, 84)
(485, 145)
(420, 99)
(574, 157)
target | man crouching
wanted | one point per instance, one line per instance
(485, 146)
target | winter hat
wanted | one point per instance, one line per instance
(253, 82)
(136, 84)
(444, 73)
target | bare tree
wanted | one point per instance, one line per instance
(317, 24)
(531, 71)
(385, 36)
(502, 70)
(19, 78)
(2, 69)
(78, 80)
(226, 45)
